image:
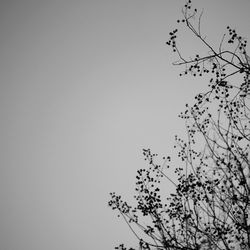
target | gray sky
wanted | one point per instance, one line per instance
(84, 86)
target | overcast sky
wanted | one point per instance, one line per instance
(84, 86)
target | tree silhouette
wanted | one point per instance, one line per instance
(210, 208)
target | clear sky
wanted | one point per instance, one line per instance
(84, 86)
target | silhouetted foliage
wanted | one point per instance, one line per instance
(210, 208)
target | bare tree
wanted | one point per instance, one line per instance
(210, 208)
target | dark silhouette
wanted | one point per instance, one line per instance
(210, 208)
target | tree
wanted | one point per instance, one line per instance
(210, 208)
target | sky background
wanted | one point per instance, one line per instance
(84, 87)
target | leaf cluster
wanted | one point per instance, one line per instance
(210, 208)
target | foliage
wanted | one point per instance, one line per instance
(210, 207)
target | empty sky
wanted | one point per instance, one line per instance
(84, 86)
